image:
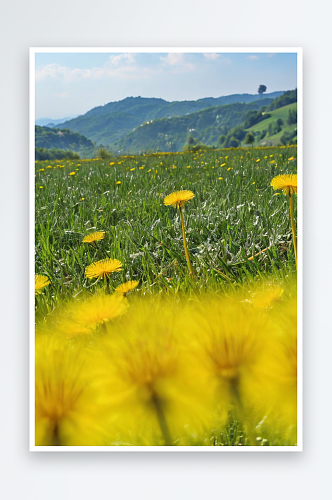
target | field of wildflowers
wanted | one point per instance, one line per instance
(165, 300)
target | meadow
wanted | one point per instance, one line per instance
(241, 251)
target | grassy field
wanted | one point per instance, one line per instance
(235, 214)
(208, 360)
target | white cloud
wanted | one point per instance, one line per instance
(117, 65)
(116, 60)
(173, 59)
(252, 57)
(178, 62)
(211, 56)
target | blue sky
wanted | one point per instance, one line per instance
(73, 83)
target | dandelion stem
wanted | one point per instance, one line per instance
(241, 411)
(108, 285)
(55, 436)
(185, 244)
(293, 226)
(162, 420)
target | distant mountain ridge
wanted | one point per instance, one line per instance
(48, 122)
(110, 123)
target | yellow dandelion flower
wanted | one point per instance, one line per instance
(40, 282)
(291, 158)
(141, 362)
(68, 411)
(72, 173)
(93, 237)
(124, 288)
(178, 198)
(118, 183)
(223, 164)
(286, 182)
(220, 178)
(258, 160)
(229, 168)
(132, 169)
(41, 187)
(103, 268)
(83, 318)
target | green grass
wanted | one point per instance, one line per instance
(226, 222)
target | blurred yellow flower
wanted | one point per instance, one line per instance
(40, 282)
(68, 411)
(72, 173)
(124, 288)
(118, 183)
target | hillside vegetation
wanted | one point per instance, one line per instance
(46, 137)
(111, 122)
(170, 134)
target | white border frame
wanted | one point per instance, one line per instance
(213, 449)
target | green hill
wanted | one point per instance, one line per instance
(170, 134)
(273, 139)
(46, 137)
(109, 123)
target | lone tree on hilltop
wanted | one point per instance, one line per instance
(261, 89)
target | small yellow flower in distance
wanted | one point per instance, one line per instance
(178, 198)
(40, 282)
(272, 161)
(223, 164)
(258, 160)
(41, 187)
(291, 158)
(50, 166)
(72, 173)
(126, 287)
(220, 178)
(132, 169)
(118, 183)
(92, 237)
(112, 163)
(229, 168)
(254, 182)
(83, 199)
(103, 268)
(140, 168)
(287, 182)
(188, 166)
(149, 170)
